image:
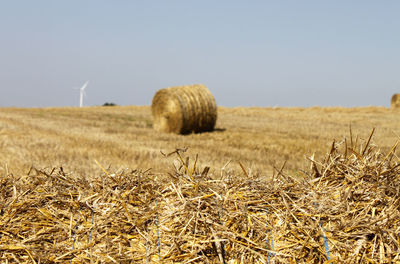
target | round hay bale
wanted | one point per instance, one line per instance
(184, 109)
(396, 101)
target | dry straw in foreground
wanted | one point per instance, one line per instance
(395, 101)
(345, 210)
(184, 109)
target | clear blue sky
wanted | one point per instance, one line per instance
(249, 53)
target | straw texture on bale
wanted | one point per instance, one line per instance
(346, 209)
(184, 109)
(395, 101)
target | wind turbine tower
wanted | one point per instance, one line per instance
(82, 93)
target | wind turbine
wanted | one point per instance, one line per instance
(82, 93)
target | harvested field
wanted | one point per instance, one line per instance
(73, 190)
(123, 137)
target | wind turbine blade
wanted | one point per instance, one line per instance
(84, 86)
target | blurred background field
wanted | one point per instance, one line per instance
(122, 137)
(97, 184)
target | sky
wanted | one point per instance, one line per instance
(287, 53)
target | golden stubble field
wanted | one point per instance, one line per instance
(76, 187)
(122, 137)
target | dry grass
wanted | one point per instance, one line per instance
(244, 210)
(344, 210)
(260, 138)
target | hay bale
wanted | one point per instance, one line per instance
(395, 101)
(184, 109)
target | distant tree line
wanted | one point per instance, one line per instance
(109, 104)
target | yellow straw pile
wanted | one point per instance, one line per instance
(346, 209)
